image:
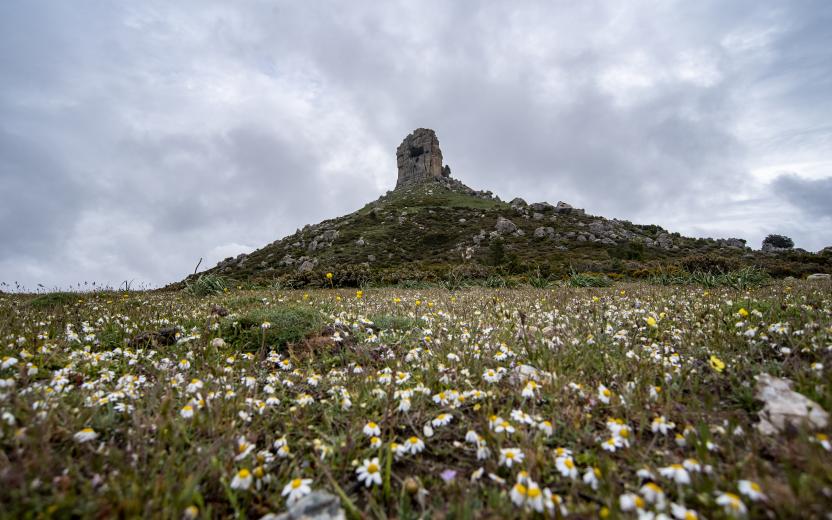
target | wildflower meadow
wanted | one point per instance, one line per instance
(629, 401)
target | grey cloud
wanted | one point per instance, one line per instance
(161, 132)
(813, 196)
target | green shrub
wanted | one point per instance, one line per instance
(353, 275)
(287, 324)
(394, 322)
(414, 284)
(57, 299)
(589, 280)
(708, 264)
(745, 278)
(740, 279)
(495, 281)
(780, 241)
(538, 280)
(205, 284)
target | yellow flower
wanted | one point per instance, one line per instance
(717, 363)
(742, 312)
(359, 294)
(651, 321)
(329, 276)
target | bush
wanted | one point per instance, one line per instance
(779, 241)
(288, 324)
(589, 280)
(354, 275)
(708, 264)
(739, 279)
(496, 251)
(537, 279)
(394, 322)
(205, 285)
(57, 299)
(634, 250)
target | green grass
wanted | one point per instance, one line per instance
(286, 324)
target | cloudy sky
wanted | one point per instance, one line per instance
(137, 137)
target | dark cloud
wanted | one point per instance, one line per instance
(814, 197)
(136, 138)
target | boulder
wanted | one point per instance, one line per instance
(664, 241)
(544, 232)
(783, 407)
(541, 207)
(505, 226)
(819, 276)
(518, 202)
(306, 263)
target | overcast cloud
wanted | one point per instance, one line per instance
(137, 137)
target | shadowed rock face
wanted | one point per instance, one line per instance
(419, 158)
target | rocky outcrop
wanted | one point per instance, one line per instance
(419, 158)
(232, 262)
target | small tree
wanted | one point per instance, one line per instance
(778, 241)
(496, 251)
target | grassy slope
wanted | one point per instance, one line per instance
(427, 227)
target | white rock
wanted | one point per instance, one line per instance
(317, 505)
(784, 406)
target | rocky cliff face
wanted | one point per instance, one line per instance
(419, 158)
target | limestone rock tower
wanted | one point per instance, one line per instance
(419, 158)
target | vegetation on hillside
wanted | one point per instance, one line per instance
(429, 232)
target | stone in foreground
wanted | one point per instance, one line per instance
(317, 505)
(785, 407)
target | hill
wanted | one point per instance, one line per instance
(433, 227)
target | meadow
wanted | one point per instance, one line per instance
(630, 401)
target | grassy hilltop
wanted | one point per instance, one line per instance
(446, 233)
